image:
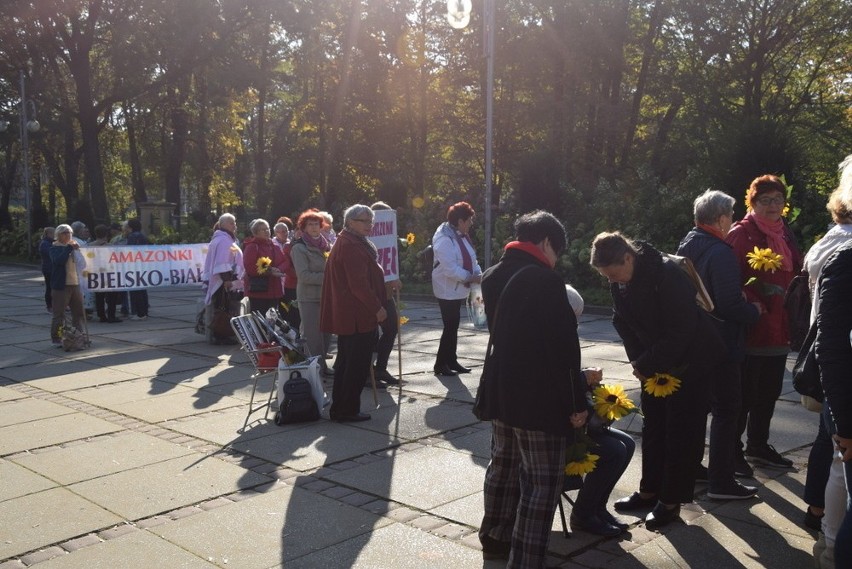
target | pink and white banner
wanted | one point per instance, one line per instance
(384, 238)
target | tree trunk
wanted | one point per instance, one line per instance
(177, 152)
(136, 177)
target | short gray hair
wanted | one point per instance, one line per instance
(354, 211)
(78, 226)
(64, 228)
(257, 222)
(227, 217)
(281, 225)
(711, 205)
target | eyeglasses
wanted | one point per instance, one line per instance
(771, 201)
(367, 221)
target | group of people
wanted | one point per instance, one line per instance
(689, 362)
(321, 282)
(62, 266)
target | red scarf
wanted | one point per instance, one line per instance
(530, 248)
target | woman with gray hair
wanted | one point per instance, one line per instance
(264, 265)
(223, 273)
(65, 278)
(719, 270)
(352, 306)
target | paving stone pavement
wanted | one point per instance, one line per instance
(128, 455)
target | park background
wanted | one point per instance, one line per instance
(613, 114)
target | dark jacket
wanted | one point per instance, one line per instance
(772, 329)
(59, 257)
(832, 344)
(717, 265)
(663, 329)
(137, 238)
(532, 377)
(44, 253)
(353, 288)
(254, 249)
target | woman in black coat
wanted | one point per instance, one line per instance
(664, 332)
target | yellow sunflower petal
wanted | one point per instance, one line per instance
(581, 467)
(661, 385)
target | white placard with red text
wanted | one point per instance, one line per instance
(385, 239)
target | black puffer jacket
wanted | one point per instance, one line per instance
(832, 344)
(663, 329)
(532, 379)
(717, 265)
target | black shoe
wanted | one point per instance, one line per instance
(384, 376)
(742, 468)
(612, 520)
(661, 516)
(493, 549)
(444, 370)
(768, 456)
(594, 525)
(634, 502)
(459, 368)
(734, 491)
(357, 418)
(812, 521)
(701, 474)
(103, 319)
(113, 320)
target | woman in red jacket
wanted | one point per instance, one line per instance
(768, 341)
(264, 263)
(352, 305)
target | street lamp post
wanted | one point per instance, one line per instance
(27, 125)
(458, 15)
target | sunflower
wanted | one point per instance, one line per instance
(263, 264)
(661, 385)
(403, 320)
(764, 259)
(611, 403)
(410, 238)
(581, 467)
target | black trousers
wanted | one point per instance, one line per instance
(292, 316)
(673, 439)
(762, 379)
(451, 317)
(351, 370)
(139, 302)
(108, 299)
(389, 328)
(725, 403)
(48, 296)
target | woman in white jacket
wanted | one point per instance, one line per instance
(454, 269)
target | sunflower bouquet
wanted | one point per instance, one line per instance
(263, 264)
(577, 456)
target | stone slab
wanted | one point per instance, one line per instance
(136, 550)
(52, 431)
(180, 403)
(314, 445)
(7, 394)
(411, 417)
(52, 516)
(398, 546)
(222, 427)
(283, 525)
(101, 456)
(24, 411)
(167, 485)
(425, 478)
(65, 375)
(18, 481)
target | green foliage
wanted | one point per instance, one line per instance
(191, 231)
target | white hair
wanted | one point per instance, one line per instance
(846, 182)
(64, 228)
(575, 299)
(227, 217)
(255, 223)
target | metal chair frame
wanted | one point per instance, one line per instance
(571, 483)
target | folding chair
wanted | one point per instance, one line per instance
(571, 483)
(251, 333)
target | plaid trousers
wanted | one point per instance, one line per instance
(522, 486)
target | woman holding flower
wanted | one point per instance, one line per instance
(264, 263)
(674, 350)
(769, 259)
(309, 254)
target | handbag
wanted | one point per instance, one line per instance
(806, 369)
(485, 380)
(797, 303)
(258, 284)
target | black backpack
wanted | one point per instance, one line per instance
(298, 405)
(797, 303)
